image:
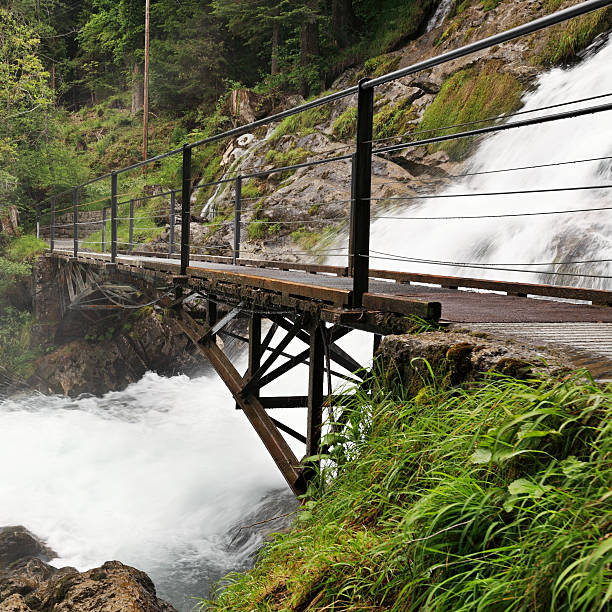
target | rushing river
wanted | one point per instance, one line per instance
(155, 476)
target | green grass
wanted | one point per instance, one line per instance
(378, 66)
(470, 95)
(345, 125)
(25, 248)
(301, 124)
(563, 42)
(492, 496)
(260, 229)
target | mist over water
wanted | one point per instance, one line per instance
(153, 476)
(511, 244)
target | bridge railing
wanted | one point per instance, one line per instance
(111, 208)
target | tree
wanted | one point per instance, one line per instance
(25, 98)
(257, 23)
(343, 22)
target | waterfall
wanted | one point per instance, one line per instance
(242, 157)
(517, 243)
(444, 8)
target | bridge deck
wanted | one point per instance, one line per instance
(457, 306)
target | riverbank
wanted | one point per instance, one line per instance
(489, 494)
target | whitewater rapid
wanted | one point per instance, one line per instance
(508, 247)
(153, 476)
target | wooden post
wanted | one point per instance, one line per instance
(316, 379)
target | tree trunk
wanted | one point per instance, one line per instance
(137, 89)
(310, 41)
(343, 22)
(275, 43)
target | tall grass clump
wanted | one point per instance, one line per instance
(491, 496)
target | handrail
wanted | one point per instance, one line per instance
(358, 263)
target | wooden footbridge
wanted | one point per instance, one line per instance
(315, 304)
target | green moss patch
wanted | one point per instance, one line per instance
(301, 124)
(565, 41)
(345, 125)
(394, 120)
(470, 95)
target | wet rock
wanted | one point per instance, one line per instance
(27, 583)
(18, 543)
(151, 343)
(456, 357)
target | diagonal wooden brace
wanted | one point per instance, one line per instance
(274, 442)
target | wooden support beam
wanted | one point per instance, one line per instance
(271, 403)
(273, 441)
(282, 345)
(315, 390)
(283, 369)
(289, 431)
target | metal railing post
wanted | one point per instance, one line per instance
(113, 217)
(75, 222)
(237, 213)
(172, 213)
(360, 217)
(104, 229)
(131, 238)
(52, 225)
(186, 209)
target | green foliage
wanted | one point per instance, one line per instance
(470, 95)
(259, 229)
(494, 496)
(25, 248)
(16, 353)
(301, 124)
(564, 41)
(345, 125)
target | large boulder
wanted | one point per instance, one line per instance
(455, 357)
(28, 583)
(18, 543)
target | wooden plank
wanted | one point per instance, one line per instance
(597, 296)
(271, 403)
(402, 305)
